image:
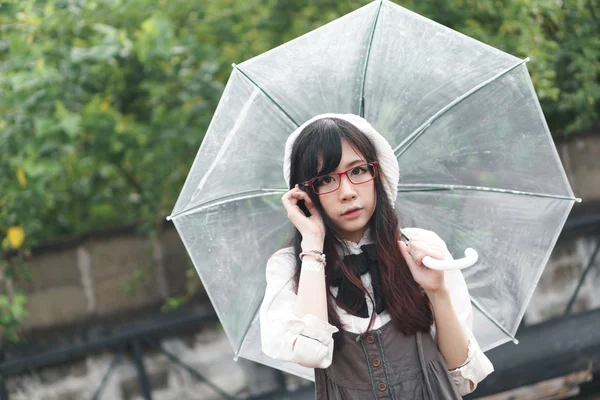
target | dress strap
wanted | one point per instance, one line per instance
(422, 361)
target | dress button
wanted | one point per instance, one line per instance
(381, 386)
(376, 362)
(370, 339)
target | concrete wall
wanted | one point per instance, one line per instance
(581, 159)
(560, 278)
(81, 287)
(87, 280)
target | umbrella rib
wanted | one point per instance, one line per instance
(266, 94)
(227, 142)
(256, 311)
(361, 107)
(406, 143)
(493, 320)
(422, 187)
(250, 194)
(237, 351)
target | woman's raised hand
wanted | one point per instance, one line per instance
(431, 280)
(307, 226)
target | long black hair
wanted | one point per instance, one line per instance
(318, 150)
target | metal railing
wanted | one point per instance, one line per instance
(133, 343)
(584, 273)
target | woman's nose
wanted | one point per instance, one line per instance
(347, 189)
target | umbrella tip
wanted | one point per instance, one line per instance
(232, 65)
(515, 341)
(578, 199)
(169, 218)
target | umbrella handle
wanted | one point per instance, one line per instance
(444, 265)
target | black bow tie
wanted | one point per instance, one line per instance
(350, 295)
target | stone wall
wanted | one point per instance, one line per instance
(79, 288)
(581, 159)
(209, 352)
(74, 283)
(560, 278)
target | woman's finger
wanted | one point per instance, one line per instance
(419, 247)
(286, 199)
(290, 202)
(299, 194)
(419, 253)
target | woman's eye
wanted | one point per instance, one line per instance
(359, 170)
(325, 180)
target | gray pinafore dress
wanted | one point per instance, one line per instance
(385, 364)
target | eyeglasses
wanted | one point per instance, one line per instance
(331, 182)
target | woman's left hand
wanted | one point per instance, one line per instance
(431, 280)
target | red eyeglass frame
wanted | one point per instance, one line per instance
(374, 164)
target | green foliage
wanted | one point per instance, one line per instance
(562, 39)
(104, 103)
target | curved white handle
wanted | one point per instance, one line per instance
(444, 265)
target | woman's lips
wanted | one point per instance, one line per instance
(352, 214)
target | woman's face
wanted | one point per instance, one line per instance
(351, 226)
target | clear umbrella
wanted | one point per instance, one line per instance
(477, 161)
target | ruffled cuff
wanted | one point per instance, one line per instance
(307, 341)
(476, 367)
(317, 329)
(314, 343)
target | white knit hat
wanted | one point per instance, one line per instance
(388, 164)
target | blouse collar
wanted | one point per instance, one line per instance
(354, 248)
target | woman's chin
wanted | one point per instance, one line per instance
(348, 228)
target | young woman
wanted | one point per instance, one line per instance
(349, 297)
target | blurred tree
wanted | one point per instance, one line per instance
(104, 103)
(562, 38)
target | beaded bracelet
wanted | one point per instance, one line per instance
(319, 256)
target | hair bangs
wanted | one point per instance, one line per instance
(319, 149)
(330, 148)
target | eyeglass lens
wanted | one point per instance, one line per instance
(357, 175)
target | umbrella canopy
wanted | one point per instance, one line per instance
(477, 161)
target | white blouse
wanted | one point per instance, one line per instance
(314, 344)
